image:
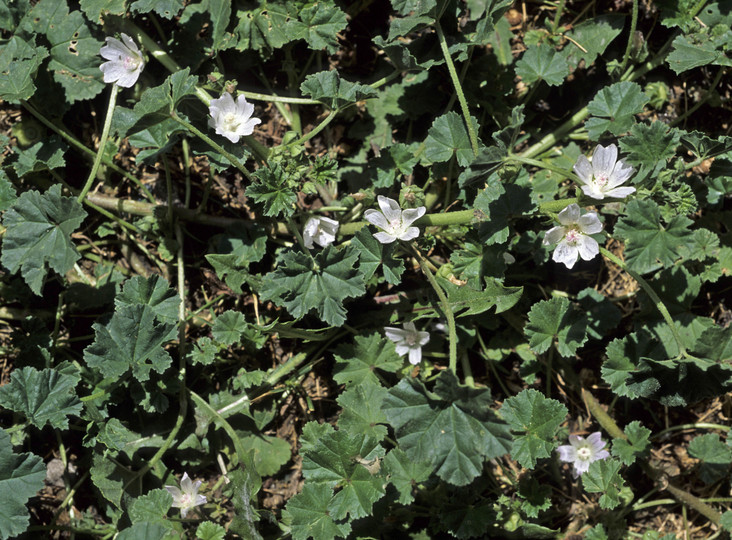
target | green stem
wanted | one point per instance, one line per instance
(629, 46)
(541, 165)
(653, 296)
(701, 425)
(554, 207)
(458, 88)
(279, 99)
(205, 138)
(451, 330)
(317, 129)
(102, 144)
(558, 16)
(61, 132)
(221, 421)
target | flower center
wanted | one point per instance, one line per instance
(130, 63)
(411, 339)
(231, 122)
(572, 236)
(584, 453)
(186, 500)
(601, 180)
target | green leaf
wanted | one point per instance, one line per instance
(132, 339)
(629, 450)
(405, 474)
(448, 136)
(542, 62)
(46, 396)
(613, 108)
(245, 484)
(204, 352)
(95, 10)
(268, 27)
(357, 364)
(109, 478)
(268, 453)
(220, 13)
(210, 531)
(416, 7)
(602, 314)
(626, 379)
(475, 261)
(649, 147)
(42, 156)
(501, 204)
(74, 51)
(311, 516)
(649, 244)
(556, 319)
(373, 254)
(338, 458)
(146, 531)
(153, 292)
(700, 49)
(537, 419)
(537, 497)
(228, 327)
(22, 59)
(715, 457)
(706, 147)
(38, 235)
(603, 478)
(7, 192)
(165, 8)
(453, 428)
(152, 507)
(233, 252)
(464, 300)
(21, 476)
(726, 520)
(321, 23)
(272, 191)
(361, 412)
(328, 88)
(594, 36)
(302, 283)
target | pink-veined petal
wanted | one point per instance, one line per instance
(581, 467)
(595, 439)
(554, 235)
(587, 248)
(603, 160)
(390, 208)
(130, 44)
(621, 173)
(410, 215)
(410, 234)
(569, 215)
(620, 192)
(385, 238)
(583, 169)
(565, 254)
(129, 78)
(376, 218)
(567, 453)
(590, 223)
(112, 71)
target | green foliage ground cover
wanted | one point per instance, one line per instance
(168, 333)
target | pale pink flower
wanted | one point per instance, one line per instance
(605, 174)
(581, 452)
(232, 119)
(125, 61)
(186, 497)
(393, 221)
(408, 340)
(572, 236)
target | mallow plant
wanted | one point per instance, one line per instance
(389, 269)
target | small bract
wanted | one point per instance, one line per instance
(408, 340)
(232, 119)
(125, 61)
(393, 221)
(186, 497)
(580, 452)
(605, 174)
(321, 230)
(572, 237)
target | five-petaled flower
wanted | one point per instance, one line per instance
(186, 497)
(393, 221)
(581, 452)
(572, 236)
(605, 174)
(125, 61)
(408, 340)
(232, 119)
(321, 230)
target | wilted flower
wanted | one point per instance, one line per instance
(232, 119)
(572, 236)
(409, 340)
(602, 177)
(394, 221)
(321, 230)
(581, 452)
(186, 497)
(125, 61)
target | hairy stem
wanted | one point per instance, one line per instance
(629, 46)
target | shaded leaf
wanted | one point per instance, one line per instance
(356, 364)
(311, 517)
(603, 478)
(328, 88)
(448, 136)
(362, 412)
(542, 62)
(373, 254)
(405, 474)
(614, 107)
(22, 59)
(556, 319)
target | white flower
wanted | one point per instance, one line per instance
(572, 236)
(409, 340)
(321, 230)
(581, 452)
(394, 221)
(232, 119)
(602, 177)
(125, 61)
(187, 497)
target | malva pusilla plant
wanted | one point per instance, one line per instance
(319, 269)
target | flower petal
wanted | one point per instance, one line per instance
(377, 218)
(385, 238)
(593, 191)
(620, 192)
(565, 254)
(395, 334)
(587, 247)
(390, 208)
(415, 355)
(554, 235)
(583, 169)
(410, 234)
(621, 173)
(410, 215)
(590, 223)
(603, 160)
(569, 215)
(567, 453)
